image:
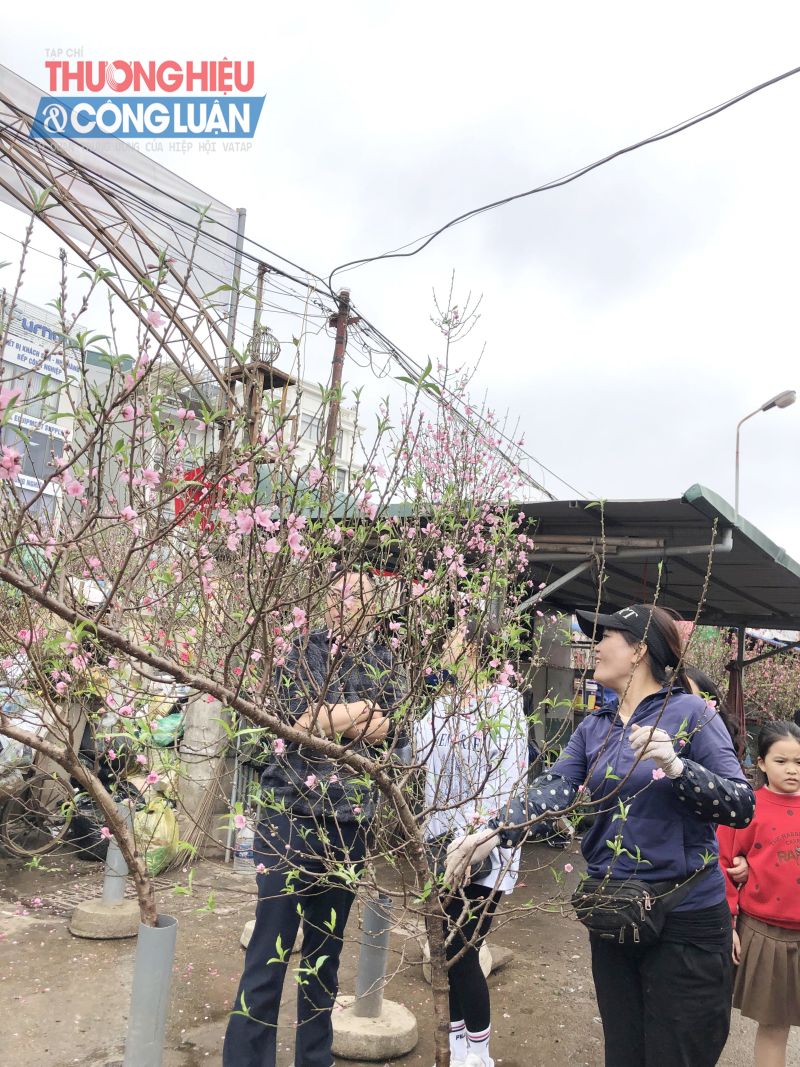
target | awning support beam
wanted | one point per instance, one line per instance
(725, 544)
(766, 655)
(548, 589)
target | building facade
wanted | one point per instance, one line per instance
(35, 361)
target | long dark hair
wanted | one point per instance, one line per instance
(664, 647)
(707, 687)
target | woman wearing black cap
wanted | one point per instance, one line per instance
(663, 774)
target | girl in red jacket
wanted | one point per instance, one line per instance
(766, 942)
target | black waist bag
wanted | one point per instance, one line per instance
(628, 910)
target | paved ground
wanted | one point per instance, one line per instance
(65, 1000)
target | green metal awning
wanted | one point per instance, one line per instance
(752, 581)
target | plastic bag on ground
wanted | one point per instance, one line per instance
(168, 729)
(156, 831)
(14, 757)
(13, 754)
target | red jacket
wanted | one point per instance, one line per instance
(771, 846)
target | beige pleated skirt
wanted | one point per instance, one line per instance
(767, 986)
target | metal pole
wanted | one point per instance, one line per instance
(372, 960)
(584, 566)
(736, 485)
(252, 382)
(116, 867)
(724, 544)
(332, 429)
(152, 977)
(740, 662)
(233, 306)
(116, 873)
(233, 311)
(234, 797)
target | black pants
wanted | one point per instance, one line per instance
(297, 862)
(668, 1005)
(470, 918)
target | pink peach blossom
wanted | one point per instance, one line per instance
(7, 396)
(10, 464)
(150, 477)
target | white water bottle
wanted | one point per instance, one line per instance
(243, 861)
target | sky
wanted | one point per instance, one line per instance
(628, 320)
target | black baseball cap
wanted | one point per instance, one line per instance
(635, 620)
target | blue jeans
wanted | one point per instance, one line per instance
(297, 864)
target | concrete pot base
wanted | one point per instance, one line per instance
(392, 1034)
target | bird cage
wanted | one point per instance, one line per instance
(263, 347)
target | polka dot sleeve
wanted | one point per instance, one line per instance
(709, 796)
(549, 793)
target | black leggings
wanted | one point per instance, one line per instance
(469, 993)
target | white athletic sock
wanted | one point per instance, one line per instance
(458, 1040)
(479, 1045)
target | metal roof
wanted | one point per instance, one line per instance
(752, 581)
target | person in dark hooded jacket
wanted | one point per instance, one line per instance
(336, 682)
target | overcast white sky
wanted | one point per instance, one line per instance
(630, 319)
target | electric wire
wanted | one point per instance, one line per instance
(47, 149)
(450, 401)
(426, 239)
(155, 211)
(429, 238)
(565, 179)
(403, 360)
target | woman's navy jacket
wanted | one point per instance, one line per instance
(647, 826)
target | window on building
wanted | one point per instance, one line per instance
(38, 453)
(45, 505)
(43, 397)
(12, 375)
(311, 430)
(341, 480)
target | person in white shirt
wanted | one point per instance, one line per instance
(473, 745)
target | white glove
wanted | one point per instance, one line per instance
(652, 743)
(564, 826)
(465, 851)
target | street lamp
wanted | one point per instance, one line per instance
(782, 400)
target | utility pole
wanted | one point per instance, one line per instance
(253, 383)
(341, 320)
